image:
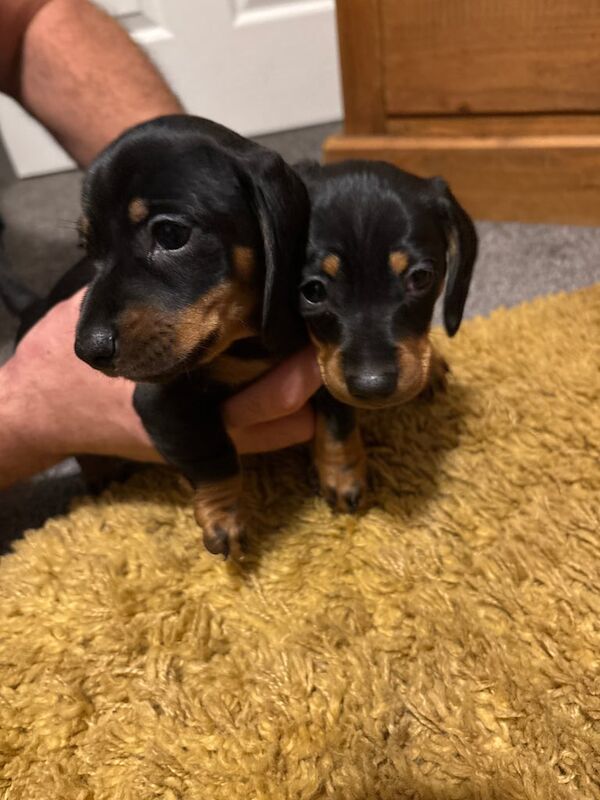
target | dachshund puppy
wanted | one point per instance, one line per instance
(197, 236)
(382, 244)
(195, 240)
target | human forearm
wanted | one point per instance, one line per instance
(21, 452)
(85, 80)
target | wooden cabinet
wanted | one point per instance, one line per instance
(502, 98)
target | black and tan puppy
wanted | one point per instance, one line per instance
(197, 237)
(382, 245)
(195, 240)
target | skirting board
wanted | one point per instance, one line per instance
(533, 177)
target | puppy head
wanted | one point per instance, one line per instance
(197, 237)
(381, 245)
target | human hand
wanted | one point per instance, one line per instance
(273, 412)
(53, 405)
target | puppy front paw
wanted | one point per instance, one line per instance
(344, 493)
(341, 468)
(226, 538)
(217, 512)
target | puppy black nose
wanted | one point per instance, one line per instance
(96, 346)
(371, 385)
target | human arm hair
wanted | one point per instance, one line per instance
(78, 72)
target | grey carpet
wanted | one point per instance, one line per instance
(517, 262)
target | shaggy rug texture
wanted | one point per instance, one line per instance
(444, 645)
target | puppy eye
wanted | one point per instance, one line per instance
(314, 291)
(170, 235)
(420, 279)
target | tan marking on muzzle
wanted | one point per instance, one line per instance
(398, 261)
(329, 360)
(414, 366)
(138, 210)
(437, 380)
(244, 262)
(153, 341)
(331, 265)
(414, 363)
(143, 323)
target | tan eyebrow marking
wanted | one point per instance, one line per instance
(331, 265)
(398, 261)
(138, 210)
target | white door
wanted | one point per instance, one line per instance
(254, 65)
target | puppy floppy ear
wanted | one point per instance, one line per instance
(461, 252)
(281, 205)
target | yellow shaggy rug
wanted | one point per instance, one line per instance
(444, 645)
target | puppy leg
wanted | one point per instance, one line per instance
(217, 511)
(438, 377)
(338, 454)
(187, 430)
